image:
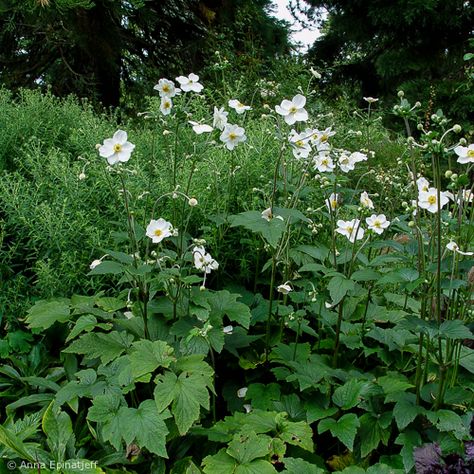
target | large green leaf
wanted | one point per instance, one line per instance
(145, 426)
(300, 466)
(344, 429)
(223, 463)
(297, 433)
(107, 346)
(45, 313)
(338, 287)
(406, 410)
(187, 393)
(373, 430)
(455, 329)
(348, 395)
(222, 303)
(57, 426)
(246, 447)
(147, 356)
(409, 440)
(15, 444)
(271, 230)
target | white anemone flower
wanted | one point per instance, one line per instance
(365, 201)
(351, 229)
(377, 223)
(332, 203)
(346, 163)
(220, 118)
(300, 144)
(429, 200)
(166, 88)
(467, 195)
(203, 260)
(158, 230)
(232, 135)
(357, 157)
(422, 184)
(371, 100)
(267, 214)
(238, 106)
(324, 135)
(293, 110)
(465, 154)
(454, 247)
(166, 105)
(200, 128)
(285, 288)
(190, 83)
(323, 162)
(116, 149)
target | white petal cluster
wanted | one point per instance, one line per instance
(465, 154)
(285, 288)
(116, 149)
(351, 229)
(332, 203)
(377, 223)
(454, 247)
(300, 143)
(238, 106)
(166, 88)
(200, 128)
(220, 118)
(293, 110)
(232, 135)
(429, 200)
(190, 83)
(365, 201)
(158, 230)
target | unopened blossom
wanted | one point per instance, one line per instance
(454, 247)
(429, 200)
(351, 229)
(293, 110)
(219, 118)
(241, 392)
(190, 83)
(247, 407)
(192, 202)
(300, 144)
(377, 223)
(238, 106)
(365, 201)
(332, 202)
(422, 184)
(323, 163)
(228, 329)
(82, 176)
(285, 288)
(158, 230)
(116, 149)
(203, 260)
(166, 105)
(371, 100)
(166, 88)
(267, 214)
(465, 154)
(315, 73)
(97, 262)
(346, 163)
(232, 136)
(200, 128)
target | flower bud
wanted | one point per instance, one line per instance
(457, 128)
(454, 177)
(448, 174)
(411, 224)
(401, 94)
(192, 202)
(82, 176)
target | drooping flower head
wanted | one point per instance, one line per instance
(116, 149)
(203, 260)
(220, 118)
(190, 83)
(158, 230)
(293, 110)
(332, 203)
(232, 135)
(365, 201)
(422, 184)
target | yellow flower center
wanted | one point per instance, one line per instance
(325, 161)
(117, 147)
(232, 136)
(432, 199)
(350, 229)
(158, 232)
(324, 138)
(300, 143)
(293, 110)
(333, 203)
(377, 224)
(166, 105)
(166, 88)
(470, 153)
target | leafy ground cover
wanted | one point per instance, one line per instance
(235, 282)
